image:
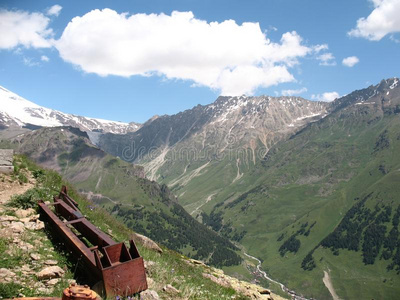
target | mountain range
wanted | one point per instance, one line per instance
(309, 188)
(17, 111)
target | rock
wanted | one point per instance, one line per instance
(35, 256)
(25, 220)
(150, 282)
(38, 225)
(6, 273)
(17, 227)
(53, 281)
(50, 272)
(23, 213)
(7, 218)
(169, 289)
(25, 246)
(50, 262)
(149, 295)
(263, 291)
(221, 281)
(197, 262)
(146, 242)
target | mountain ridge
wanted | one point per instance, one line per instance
(17, 111)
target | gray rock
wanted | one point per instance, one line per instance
(146, 242)
(149, 295)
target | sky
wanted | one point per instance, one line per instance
(129, 60)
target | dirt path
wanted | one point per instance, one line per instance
(9, 188)
(328, 283)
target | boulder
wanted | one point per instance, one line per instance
(146, 242)
(50, 272)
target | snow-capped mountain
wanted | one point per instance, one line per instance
(17, 111)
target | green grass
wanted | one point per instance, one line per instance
(169, 268)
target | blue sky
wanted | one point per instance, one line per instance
(129, 60)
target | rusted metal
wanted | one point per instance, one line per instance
(79, 292)
(121, 269)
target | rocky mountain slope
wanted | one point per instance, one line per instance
(321, 211)
(216, 143)
(16, 111)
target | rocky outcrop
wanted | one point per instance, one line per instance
(6, 161)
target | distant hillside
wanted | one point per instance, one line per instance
(326, 200)
(200, 151)
(122, 189)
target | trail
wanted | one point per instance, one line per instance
(283, 287)
(328, 283)
(207, 200)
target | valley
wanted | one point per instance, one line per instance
(306, 189)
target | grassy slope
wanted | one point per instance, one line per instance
(168, 268)
(315, 177)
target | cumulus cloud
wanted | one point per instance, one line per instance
(294, 92)
(326, 97)
(326, 59)
(234, 59)
(23, 28)
(384, 19)
(44, 58)
(350, 61)
(54, 10)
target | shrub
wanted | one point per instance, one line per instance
(26, 200)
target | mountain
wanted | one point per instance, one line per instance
(121, 188)
(199, 151)
(322, 208)
(16, 111)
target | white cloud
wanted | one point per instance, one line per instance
(23, 28)
(234, 59)
(294, 92)
(350, 61)
(44, 58)
(54, 10)
(327, 59)
(384, 19)
(319, 48)
(30, 62)
(326, 97)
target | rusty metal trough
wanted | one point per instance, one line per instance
(121, 269)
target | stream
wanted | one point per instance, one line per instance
(283, 287)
